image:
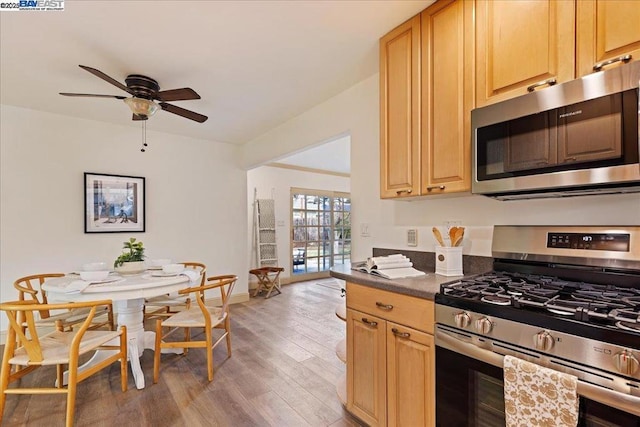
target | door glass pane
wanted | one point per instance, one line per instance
(321, 231)
(298, 218)
(312, 203)
(298, 201)
(299, 235)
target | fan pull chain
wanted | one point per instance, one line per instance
(144, 136)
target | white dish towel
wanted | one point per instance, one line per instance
(538, 396)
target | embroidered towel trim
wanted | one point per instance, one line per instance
(538, 396)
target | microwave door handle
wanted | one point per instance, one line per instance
(622, 401)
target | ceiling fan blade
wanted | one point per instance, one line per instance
(137, 117)
(106, 78)
(184, 113)
(91, 95)
(183, 94)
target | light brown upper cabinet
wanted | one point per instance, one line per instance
(447, 97)
(522, 45)
(526, 45)
(400, 110)
(607, 31)
(426, 96)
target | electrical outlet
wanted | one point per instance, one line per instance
(412, 237)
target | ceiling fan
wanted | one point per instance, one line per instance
(144, 92)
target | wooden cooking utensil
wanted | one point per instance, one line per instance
(458, 236)
(452, 234)
(438, 236)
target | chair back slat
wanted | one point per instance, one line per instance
(30, 340)
(30, 289)
(224, 283)
(23, 332)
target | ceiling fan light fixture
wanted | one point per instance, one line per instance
(142, 107)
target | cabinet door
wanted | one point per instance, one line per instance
(410, 377)
(400, 111)
(606, 29)
(447, 96)
(522, 43)
(366, 367)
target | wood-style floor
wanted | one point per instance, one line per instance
(283, 372)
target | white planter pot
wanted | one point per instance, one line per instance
(133, 267)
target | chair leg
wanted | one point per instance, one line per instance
(71, 390)
(4, 384)
(59, 376)
(123, 361)
(187, 338)
(112, 325)
(209, 354)
(157, 350)
(227, 328)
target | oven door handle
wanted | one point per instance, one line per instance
(612, 398)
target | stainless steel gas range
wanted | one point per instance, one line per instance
(567, 298)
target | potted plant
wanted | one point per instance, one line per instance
(131, 260)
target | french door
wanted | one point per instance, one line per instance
(320, 231)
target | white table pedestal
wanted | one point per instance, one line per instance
(130, 314)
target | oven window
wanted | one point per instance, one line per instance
(488, 400)
(470, 393)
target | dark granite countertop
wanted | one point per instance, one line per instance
(422, 287)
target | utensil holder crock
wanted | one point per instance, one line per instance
(449, 261)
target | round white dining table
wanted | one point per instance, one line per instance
(127, 292)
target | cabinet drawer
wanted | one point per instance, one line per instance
(403, 309)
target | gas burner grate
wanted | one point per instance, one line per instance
(582, 301)
(496, 299)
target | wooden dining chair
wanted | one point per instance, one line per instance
(27, 350)
(30, 289)
(205, 314)
(167, 305)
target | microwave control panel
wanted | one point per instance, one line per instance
(590, 241)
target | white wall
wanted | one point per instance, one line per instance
(278, 182)
(356, 111)
(195, 196)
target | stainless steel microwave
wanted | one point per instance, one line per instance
(576, 138)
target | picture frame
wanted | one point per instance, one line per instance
(114, 203)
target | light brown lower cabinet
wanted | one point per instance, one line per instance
(390, 366)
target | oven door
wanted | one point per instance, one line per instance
(469, 390)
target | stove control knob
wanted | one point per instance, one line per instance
(484, 325)
(543, 341)
(462, 319)
(626, 362)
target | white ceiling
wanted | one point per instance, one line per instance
(334, 156)
(256, 64)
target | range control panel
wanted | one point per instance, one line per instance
(590, 241)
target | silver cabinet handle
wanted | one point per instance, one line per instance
(436, 187)
(600, 65)
(400, 334)
(548, 82)
(408, 191)
(384, 306)
(368, 322)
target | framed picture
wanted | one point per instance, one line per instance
(113, 203)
